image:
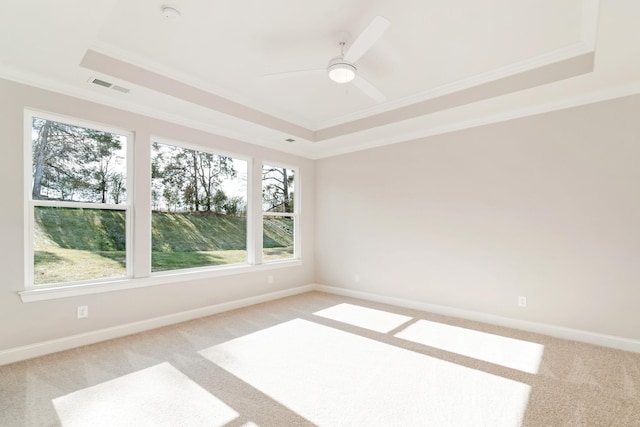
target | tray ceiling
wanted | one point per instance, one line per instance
(440, 65)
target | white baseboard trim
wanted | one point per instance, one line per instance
(611, 341)
(47, 347)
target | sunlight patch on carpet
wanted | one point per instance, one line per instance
(509, 352)
(335, 378)
(157, 396)
(364, 317)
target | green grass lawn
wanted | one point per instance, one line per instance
(94, 249)
(162, 261)
(273, 254)
(54, 264)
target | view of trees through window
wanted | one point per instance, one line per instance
(278, 213)
(78, 192)
(199, 203)
(80, 206)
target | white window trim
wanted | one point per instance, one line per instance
(250, 202)
(297, 242)
(47, 292)
(254, 264)
(30, 204)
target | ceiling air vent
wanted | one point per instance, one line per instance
(100, 82)
(120, 89)
(109, 85)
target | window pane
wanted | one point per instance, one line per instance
(199, 205)
(277, 238)
(73, 163)
(277, 189)
(72, 244)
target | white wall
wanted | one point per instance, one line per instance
(547, 207)
(28, 323)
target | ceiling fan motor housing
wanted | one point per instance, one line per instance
(340, 70)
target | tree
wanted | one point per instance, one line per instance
(100, 150)
(118, 189)
(72, 162)
(219, 201)
(53, 157)
(191, 178)
(40, 155)
(276, 189)
(235, 205)
(169, 176)
(212, 169)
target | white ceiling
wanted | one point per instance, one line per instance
(441, 65)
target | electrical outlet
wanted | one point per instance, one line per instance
(356, 278)
(522, 301)
(269, 279)
(83, 311)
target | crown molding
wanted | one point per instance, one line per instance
(565, 53)
(341, 145)
(252, 133)
(310, 150)
(586, 44)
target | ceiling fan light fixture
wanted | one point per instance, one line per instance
(340, 70)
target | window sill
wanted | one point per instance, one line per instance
(161, 278)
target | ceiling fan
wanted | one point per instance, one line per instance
(342, 68)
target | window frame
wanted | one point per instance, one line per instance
(31, 204)
(138, 217)
(295, 215)
(209, 150)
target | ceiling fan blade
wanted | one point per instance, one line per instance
(367, 38)
(368, 89)
(298, 73)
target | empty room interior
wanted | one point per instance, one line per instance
(250, 213)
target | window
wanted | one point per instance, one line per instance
(199, 208)
(78, 203)
(279, 213)
(203, 212)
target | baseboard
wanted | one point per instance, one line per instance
(47, 347)
(611, 341)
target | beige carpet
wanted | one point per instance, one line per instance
(319, 359)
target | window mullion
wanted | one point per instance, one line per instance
(140, 155)
(255, 211)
